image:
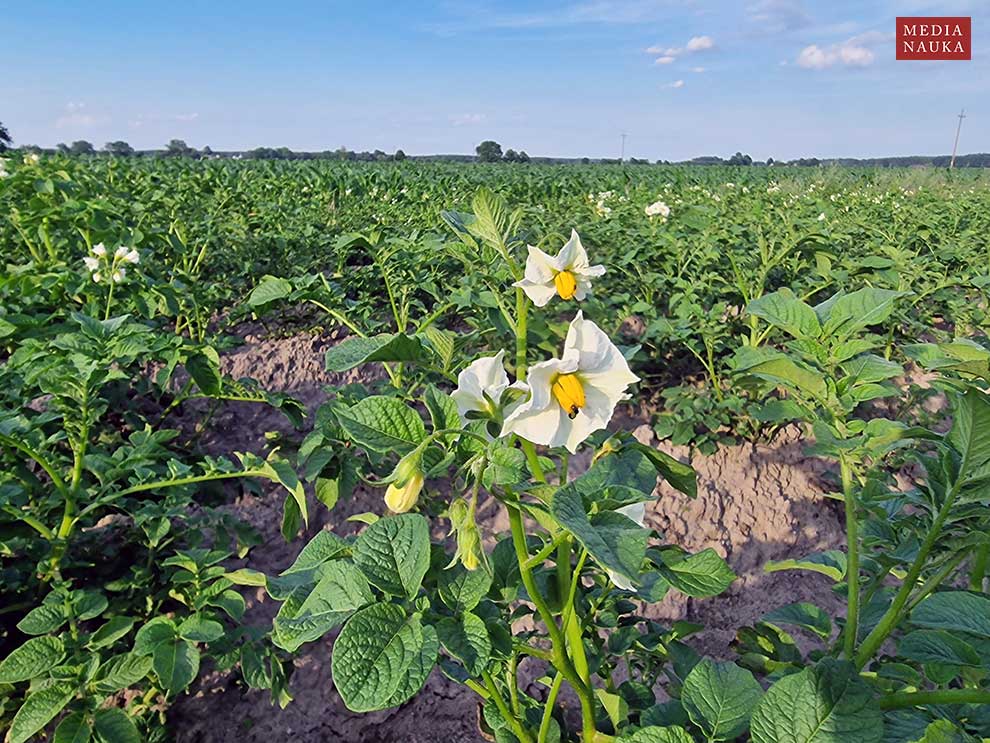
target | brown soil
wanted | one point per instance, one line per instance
(755, 503)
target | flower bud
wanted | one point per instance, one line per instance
(400, 499)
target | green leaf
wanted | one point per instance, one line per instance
(153, 634)
(462, 589)
(373, 654)
(954, 611)
(383, 424)
(776, 367)
(938, 646)
(323, 547)
(341, 591)
(419, 670)
(200, 629)
(110, 632)
(32, 659)
(943, 731)
(803, 615)
(176, 664)
(827, 703)
(700, 575)
(831, 563)
(466, 639)
(970, 433)
(673, 734)
(785, 311)
(39, 709)
(114, 726)
(43, 619)
(506, 466)
(246, 577)
(204, 367)
(615, 541)
(859, 309)
(269, 289)
(720, 697)
(74, 728)
(121, 672)
(442, 409)
(681, 477)
(394, 553)
(353, 352)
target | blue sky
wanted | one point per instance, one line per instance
(780, 78)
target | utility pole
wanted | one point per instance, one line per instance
(955, 145)
(622, 152)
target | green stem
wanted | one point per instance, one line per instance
(555, 685)
(560, 659)
(933, 582)
(572, 627)
(522, 305)
(892, 616)
(533, 459)
(928, 698)
(518, 730)
(852, 570)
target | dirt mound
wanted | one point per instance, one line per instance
(755, 503)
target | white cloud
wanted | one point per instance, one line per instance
(697, 70)
(675, 85)
(186, 117)
(142, 120)
(700, 43)
(467, 119)
(77, 117)
(665, 60)
(851, 53)
(775, 16)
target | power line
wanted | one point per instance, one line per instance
(955, 145)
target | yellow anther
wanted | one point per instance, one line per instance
(566, 284)
(569, 393)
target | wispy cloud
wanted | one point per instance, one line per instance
(698, 70)
(142, 120)
(776, 16)
(76, 116)
(668, 54)
(854, 52)
(675, 85)
(468, 119)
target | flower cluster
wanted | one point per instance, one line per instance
(103, 265)
(658, 209)
(32, 158)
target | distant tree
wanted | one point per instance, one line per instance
(178, 148)
(5, 139)
(510, 156)
(119, 148)
(769, 161)
(399, 156)
(740, 159)
(585, 161)
(81, 147)
(284, 153)
(62, 148)
(523, 157)
(489, 151)
(206, 152)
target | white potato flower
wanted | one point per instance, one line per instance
(121, 251)
(821, 217)
(658, 208)
(31, 158)
(91, 263)
(99, 249)
(568, 274)
(132, 256)
(118, 275)
(480, 387)
(573, 396)
(636, 512)
(96, 277)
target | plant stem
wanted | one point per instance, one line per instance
(521, 329)
(555, 685)
(892, 616)
(852, 569)
(518, 730)
(560, 659)
(942, 696)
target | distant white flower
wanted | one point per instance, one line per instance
(91, 263)
(96, 277)
(773, 188)
(132, 256)
(821, 217)
(635, 512)
(121, 251)
(568, 274)
(99, 249)
(658, 208)
(118, 275)
(31, 158)
(575, 395)
(480, 387)
(730, 185)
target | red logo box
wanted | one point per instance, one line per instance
(934, 37)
